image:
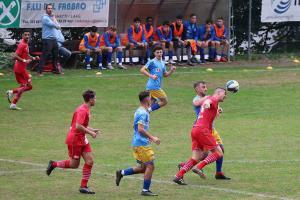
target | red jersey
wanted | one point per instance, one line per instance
(80, 116)
(207, 116)
(23, 52)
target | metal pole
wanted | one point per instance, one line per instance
(249, 29)
(229, 26)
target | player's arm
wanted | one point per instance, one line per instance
(86, 42)
(199, 101)
(85, 130)
(168, 73)
(206, 104)
(144, 70)
(145, 133)
(17, 57)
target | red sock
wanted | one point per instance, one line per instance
(19, 91)
(62, 164)
(187, 167)
(209, 159)
(86, 173)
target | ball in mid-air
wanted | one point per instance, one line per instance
(232, 86)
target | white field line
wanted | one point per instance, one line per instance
(226, 190)
(139, 74)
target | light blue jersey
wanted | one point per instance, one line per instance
(141, 116)
(197, 109)
(158, 68)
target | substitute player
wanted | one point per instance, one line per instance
(221, 40)
(142, 151)
(22, 58)
(201, 89)
(155, 69)
(78, 144)
(203, 141)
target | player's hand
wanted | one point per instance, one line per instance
(156, 140)
(173, 68)
(93, 134)
(28, 61)
(220, 110)
(97, 131)
(154, 77)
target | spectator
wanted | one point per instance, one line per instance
(206, 37)
(221, 40)
(136, 37)
(50, 48)
(177, 30)
(91, 44)
(164, 34)
(110, 42)
(190, 36)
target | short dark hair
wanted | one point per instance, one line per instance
(136, 19)
(147, 19)
(166, 23)
(198, 83)
(48, 4)
(88, 94)
(112, 28)
(156, 48)
(192, 15)
(208, 21)
(220, 18)
(143, 95)
(26, 30)
(93, 29)
(179, 17)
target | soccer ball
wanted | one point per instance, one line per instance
(232, 86)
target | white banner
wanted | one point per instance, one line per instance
(280, 10)
(69, 13)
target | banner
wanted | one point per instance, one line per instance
(280, 10)
(69, 13)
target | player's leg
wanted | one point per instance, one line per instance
(211, 51)
(189, 53)
(86, 170)
(225, 45)
(162, 99)
(109, 52)
(217, 51)
(119, 52)
(163, 46)
(216, 153)
(203, 45)
(131, 48)
(55, 57)
(138, 169)
(87, 57)
(99, 58)
(171, 52)
(144, 56)
(147, 179)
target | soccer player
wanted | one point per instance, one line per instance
(136, 38)
(91, 44)
(205, 39)
(164, 34)
(203, 141)
(177, 30)
(149, 35)
(110, 41)
(142, 151)
(78, 144)
(221, 40)
(200, 89)
(155, 69)
(22, 58)
(190, 36)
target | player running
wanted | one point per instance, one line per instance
(203, 141)
(78, 144)
(142, 151)
(22, 58)
(201, 88)
(155, 69)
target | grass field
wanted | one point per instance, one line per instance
(260, 129)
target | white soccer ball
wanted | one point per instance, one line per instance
(232, 86)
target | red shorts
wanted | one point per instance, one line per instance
(203, 139)
(75, 151)
(23, 78)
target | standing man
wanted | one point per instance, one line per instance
(137, 39)
(155, 69)
(91, 44)
(50, 47)
(164, 34)
(142, 151)
(203, 141)
(221, 40)
(177, 30)
(22, 58)
(78, 144)
(190, 35)
(110, 42)
(201, 89)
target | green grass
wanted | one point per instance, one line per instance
(260, 129)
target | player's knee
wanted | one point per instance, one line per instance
(131, 46)
(119, 49)
(109, 49)
(90, 161)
